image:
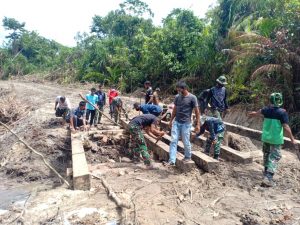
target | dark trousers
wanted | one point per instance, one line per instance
(77, 122)
(92, 113)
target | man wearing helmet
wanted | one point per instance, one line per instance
(275, 121)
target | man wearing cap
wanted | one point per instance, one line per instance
(217, 96)
(216, 129)
(275, 121)
(148, 109)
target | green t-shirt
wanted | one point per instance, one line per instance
(274, 118)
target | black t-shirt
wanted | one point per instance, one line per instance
(149, 93)
(143, 120)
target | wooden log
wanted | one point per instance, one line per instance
(255, 134)
(202, 160)
(81, 175)
(226, 152)
(161, 149)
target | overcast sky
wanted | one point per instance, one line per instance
(62, 19)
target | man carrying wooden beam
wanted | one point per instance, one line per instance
(148, 123)
(216, 130)
(275, 121)
(184, 104)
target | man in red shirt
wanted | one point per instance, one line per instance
(112, 93)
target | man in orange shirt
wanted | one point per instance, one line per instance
(112, 93)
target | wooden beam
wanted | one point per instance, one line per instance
(202, 160)
(255, 134)
(81, 175)
(161, 149)
(226, 152)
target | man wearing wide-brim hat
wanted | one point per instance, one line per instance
(217, 97)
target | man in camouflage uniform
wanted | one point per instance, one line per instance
(275, 121)
(217, 96)
(117, 105)
(148, 123)
(216, 129)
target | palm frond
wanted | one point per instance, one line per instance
(244, 55)
(271, 68)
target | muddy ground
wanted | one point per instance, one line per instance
(31, 194)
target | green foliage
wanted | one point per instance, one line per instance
(260, 39)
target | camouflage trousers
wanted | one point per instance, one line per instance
(216, 113)
(217, 146)
(272, 155)
(138, 144)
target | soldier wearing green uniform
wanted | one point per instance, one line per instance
(145, 122)
(117, 105)
(216, 129)
(275, 121)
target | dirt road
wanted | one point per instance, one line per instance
(31, 194)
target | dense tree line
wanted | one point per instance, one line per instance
(255, 43)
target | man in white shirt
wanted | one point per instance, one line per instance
(62, 106)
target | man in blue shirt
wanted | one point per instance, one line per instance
(91, 111)
(101, 103)
(148, 108)
(77, 117)
(216, 129)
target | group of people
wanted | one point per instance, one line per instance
(209, 108)
(274, 125)
(89, 111)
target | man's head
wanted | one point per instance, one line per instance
(93, 91)
(136, 106)
(62, 99)
(147, 84)
(276, 99)
(181, 87)
(82, 105)
(100, 87)
(221, 81)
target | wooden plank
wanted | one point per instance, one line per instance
(81, 175)
(255, 134)
(161, 149)
(202, 160)
(226, 152)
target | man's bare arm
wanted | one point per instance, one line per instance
(289, 132)
(197, 112)
(255, 114)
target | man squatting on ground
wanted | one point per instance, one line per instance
(155, 110)
(117, 105)
(76, 117)
(101, 104)
(275, 121)
(216, 130)
(62, 106)
(184, 104)
(91, 111)
(148, 123)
